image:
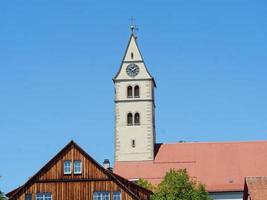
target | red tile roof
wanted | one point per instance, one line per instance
(220, 166)
(256, 188)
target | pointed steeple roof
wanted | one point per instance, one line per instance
(133, 55)
(132, 48)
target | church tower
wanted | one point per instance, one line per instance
(134, 107)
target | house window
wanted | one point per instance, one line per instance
(101, 196)
(136, 119)
(77, 167)
(28, 196)
(116, 195)
(132, 55)
(130, 119)
(44, 196)
(136, 91)
(133, 143)
(67, 167)
(129, 92)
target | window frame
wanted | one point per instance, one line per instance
(42, 196)
(136, 89)
(28, 196)
(129, 91)
(100, 194)
(133, 143)
(130, 120)
(70, 167)
(115, 197)
(81, 168)
(136, 116)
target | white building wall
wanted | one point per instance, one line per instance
(143, 134)
(146, 90)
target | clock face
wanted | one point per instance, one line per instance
(132, 70)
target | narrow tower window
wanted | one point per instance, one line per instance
(129, 91)
(136, 91)
(132, 55)
(130, 119)
(137, 119)
(133, 143)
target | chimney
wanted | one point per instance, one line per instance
(106, 164)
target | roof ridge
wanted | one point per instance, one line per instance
(70, 144)
(212, 142)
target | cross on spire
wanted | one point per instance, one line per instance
(133, 26)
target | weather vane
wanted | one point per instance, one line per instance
(133, 26)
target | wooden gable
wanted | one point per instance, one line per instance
(56, 170)
(94, 178)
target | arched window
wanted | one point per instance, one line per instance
(136, 91)
(129, 91)
(137, 119)
(130, 119)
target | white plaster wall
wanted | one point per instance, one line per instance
(143, 134)
(145, 86)
(143, 74)
(132, 48)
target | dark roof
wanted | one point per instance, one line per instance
(124, 183)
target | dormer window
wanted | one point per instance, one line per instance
(67, 167)
(77, 167)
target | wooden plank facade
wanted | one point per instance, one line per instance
(92, 178)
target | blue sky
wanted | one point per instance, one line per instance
(57, 60)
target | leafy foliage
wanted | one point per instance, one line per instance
(2, 196)
(177, 185)
(145, 184)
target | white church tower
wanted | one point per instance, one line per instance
(134, 107)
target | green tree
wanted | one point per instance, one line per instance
(177, 185)
(2, 196)
(145, 184)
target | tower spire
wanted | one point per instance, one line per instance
(135, 134)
